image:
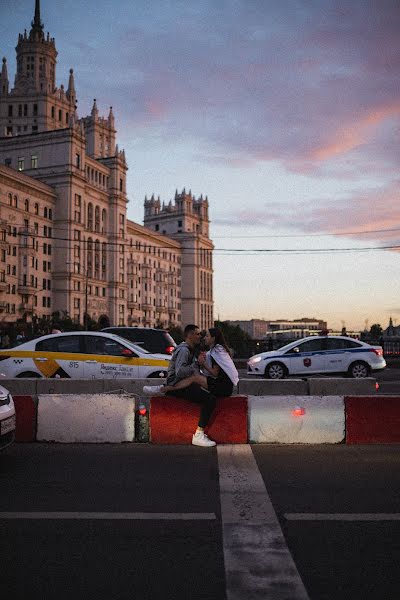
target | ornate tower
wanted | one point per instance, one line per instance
(35, 104)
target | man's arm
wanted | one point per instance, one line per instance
(184, 365)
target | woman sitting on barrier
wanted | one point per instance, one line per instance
(220, 373)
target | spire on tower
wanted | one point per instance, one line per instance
(95, 112)
(37, 25)
(4, 79)
(111, 117)
(71, 86)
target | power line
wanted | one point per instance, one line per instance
(306, 235)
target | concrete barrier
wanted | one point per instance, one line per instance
(272, 387)
(296, 419)
(86, 418)
(26, 416)
(174, 420)
(249, 387)
(372, 420)
(341, 386)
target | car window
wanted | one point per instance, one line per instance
(68, 343)
(309, 346)
(99, 345)
(338, 344)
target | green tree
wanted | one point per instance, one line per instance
(176, 333)
(376, 331)
(237, 339)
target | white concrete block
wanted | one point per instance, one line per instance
(86, 418)
(271, 419)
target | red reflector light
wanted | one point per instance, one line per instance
(170, 349)
(299, 411)
(142, 410)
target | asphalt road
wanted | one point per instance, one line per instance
(45, 558)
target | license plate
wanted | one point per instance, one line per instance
(7, 425)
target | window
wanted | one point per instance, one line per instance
(53, 112)
(25, 110)
(310, 346)
(67, 343)
(36, 208)
(21, 163)
(60, 115)
(78, 160)
(34, 161)
(121, 183)
(99, 345)
(10, 110)
(7, 162)
(338, 344)
(35, 110)
(26, 205)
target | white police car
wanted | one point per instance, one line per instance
(7, 418)
(318, 354)
(82, 355)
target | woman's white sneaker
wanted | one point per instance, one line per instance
(153, 390)
(201, 439)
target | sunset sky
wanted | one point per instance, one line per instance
(285, 113)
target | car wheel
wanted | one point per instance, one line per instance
(27, 374)
(359, 370)
(275, 370)
(157, 374)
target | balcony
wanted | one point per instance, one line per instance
(3, 286)
(25, 250)
(26, 289)
(3, 306)
(27, 231)
(25, 307)
(147, 307)
(132, 304)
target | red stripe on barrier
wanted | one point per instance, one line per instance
(174, 420)
(372, 419)
(26, 412)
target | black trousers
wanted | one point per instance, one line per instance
(195, 393)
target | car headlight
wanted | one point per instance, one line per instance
(5, 399)
(255, 360)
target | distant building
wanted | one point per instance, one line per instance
(296, 329)
(65, 241)
(255, 328)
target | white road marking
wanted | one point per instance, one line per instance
(342, 516)
(258, 563)
(124, 516)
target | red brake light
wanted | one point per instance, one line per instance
(169, 349)
(378, 351)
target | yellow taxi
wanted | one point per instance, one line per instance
(82, 355)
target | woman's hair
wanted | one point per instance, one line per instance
(217, 334)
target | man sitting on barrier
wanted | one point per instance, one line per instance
(219, 381)
(184, 364)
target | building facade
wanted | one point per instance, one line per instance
(65, 237)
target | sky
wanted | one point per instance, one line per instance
(284, 113)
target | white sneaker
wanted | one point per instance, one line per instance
(153, 390)
(201, 439)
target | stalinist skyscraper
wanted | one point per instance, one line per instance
(65, 241)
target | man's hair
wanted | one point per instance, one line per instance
(189, 329)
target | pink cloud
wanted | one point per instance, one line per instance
(352, 136)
